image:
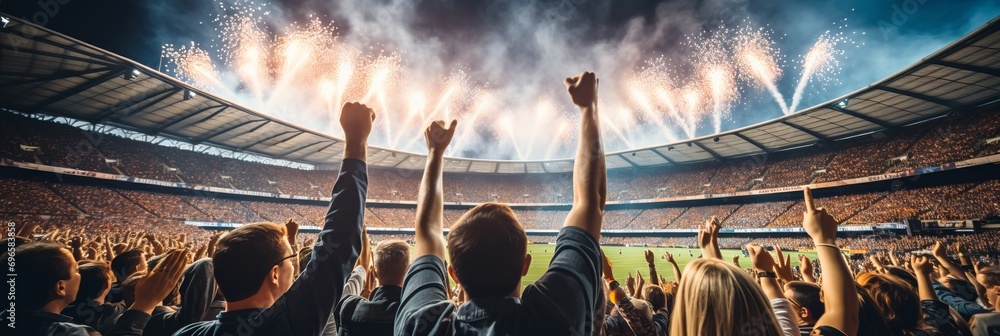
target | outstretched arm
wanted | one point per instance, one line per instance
(306, 306)
(941, 254)
(430, 202)
(590, 177)
(841, 296)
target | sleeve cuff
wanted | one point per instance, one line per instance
(350, 163)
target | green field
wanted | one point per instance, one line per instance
(627, 259)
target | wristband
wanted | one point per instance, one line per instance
(767, 274)
(613, 285)
(827, 245)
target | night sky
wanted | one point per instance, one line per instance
(465, 34)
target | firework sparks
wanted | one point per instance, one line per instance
(303, 72)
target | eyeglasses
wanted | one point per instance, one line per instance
(283, 259)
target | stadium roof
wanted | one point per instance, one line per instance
(51, 73)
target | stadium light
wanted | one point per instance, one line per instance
(132, 74)
(670, 148)
(843, 103)
(188, 94)
(716, 139)
(4, 20)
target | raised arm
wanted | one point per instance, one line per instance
(653, 278)
(708, 239)
(590, 177)
(841, 297)
(430, 202)
(922, 269)
(673, 264)
(941, 254)
(306, 306)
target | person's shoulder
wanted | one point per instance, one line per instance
(427, 318)
(69, 328)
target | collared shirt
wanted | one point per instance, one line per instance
(566, 300)
(306, 306)
(357, 316)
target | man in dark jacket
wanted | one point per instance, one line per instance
(253, 263)
(356, 315)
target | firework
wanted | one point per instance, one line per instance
(304, 72)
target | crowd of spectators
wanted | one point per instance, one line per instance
(947, 202)
(923, 145)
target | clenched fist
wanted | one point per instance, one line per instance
(356, 119)
(583, 89)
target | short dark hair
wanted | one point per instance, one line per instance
(94, 277)
(807, 295)
(245, 256)
(47, 265)
(487, 246)
(124, 264)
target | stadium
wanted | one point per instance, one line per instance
(97, 144)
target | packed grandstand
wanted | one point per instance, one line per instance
(899, 168)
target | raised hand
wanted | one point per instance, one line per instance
(582, 89)
(438, 137)
(649, 257)
(939, 250)
(759, 258)
(805, 265)
(921, 265)
(607, 268)
(821, 226)
(669, 257)
(736, 260)
(630, 283)
(356, 119)
(783, 267)
(291, 230)
(708, 235)
(153, 287)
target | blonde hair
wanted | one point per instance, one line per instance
(717, 299)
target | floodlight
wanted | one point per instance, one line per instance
(132, 74)
(188, 94)
(842, 103)
(4, 21)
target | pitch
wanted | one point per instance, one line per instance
(625, 259)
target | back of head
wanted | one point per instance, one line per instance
(95, 280)
(126, 263)
(989, 276)
(487, 248)
(902, 274)
(716, 298)
(49, 264)
(871, 322)
(806, 295)
(897, 301)
(392, 258)
(654, 295)
(244, 257)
